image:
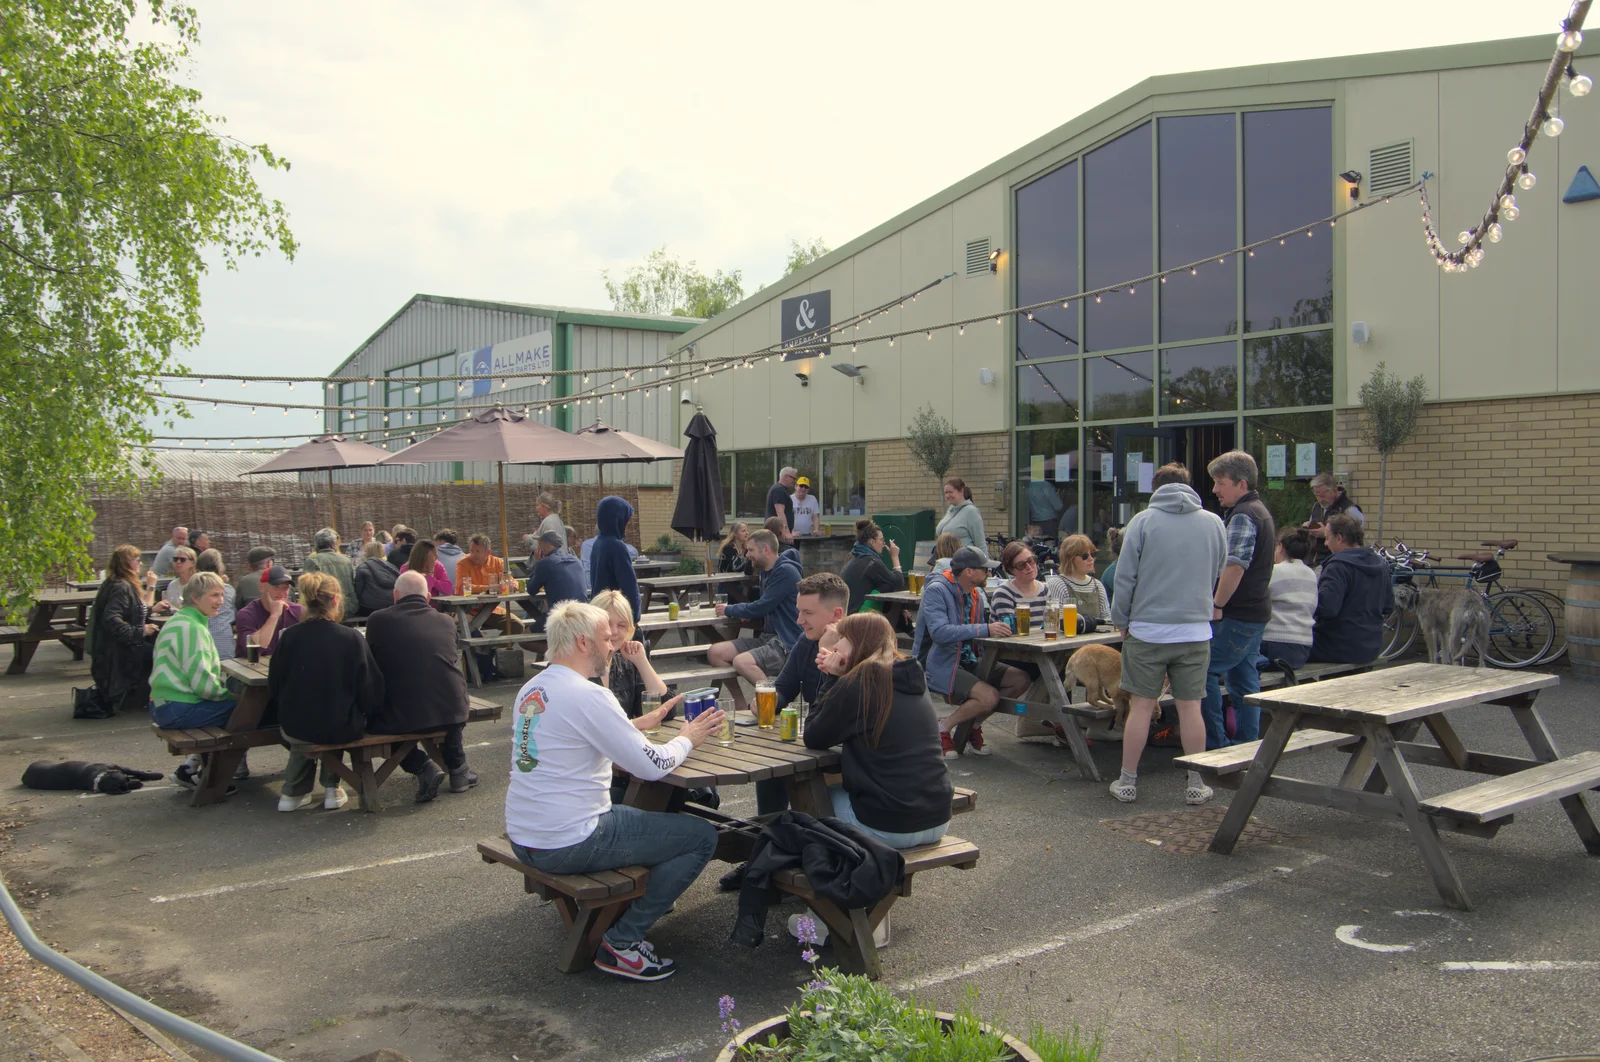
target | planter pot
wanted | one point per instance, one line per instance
(779, 1027)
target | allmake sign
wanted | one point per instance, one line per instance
(806, 319)
(516, 361)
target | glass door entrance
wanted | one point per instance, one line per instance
(1137, 453)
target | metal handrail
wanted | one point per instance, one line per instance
(117, 996)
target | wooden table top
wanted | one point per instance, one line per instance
(1396, 694)
(755, 755)
(672, 582)
(1574, 558)
(1035, 642)
(246, 672)
(460, 600)
(66, 597)
(687, 618)
(899, 597)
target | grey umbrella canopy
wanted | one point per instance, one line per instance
(324, 453)
(698, 513)
(505, 437)
(634, 448)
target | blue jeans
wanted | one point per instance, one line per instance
(675, 848)
(1234, 648)
(844, 812)
(182, 715)
(1291, 653)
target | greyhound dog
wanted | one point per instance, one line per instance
(1452, 620)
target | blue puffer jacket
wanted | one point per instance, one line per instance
(610, 566)
(948, 618)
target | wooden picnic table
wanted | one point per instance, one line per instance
(1376, 717)
(1053, 707)
(691, 623)
(681, 588)
(472, 613)
(43, 625)
(897, 604)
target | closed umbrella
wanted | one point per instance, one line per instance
(324, 453)
(698, 513)
(630, 448)
(505, 437)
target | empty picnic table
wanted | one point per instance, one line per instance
(690, 624)
(681, 588)
(1376, 718)
(43, 625)
(1055, 706)
(472, 613)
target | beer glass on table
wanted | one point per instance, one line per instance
(766, 705)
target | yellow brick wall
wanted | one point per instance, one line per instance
(895, 481)
(655, 509)
(1523, 468)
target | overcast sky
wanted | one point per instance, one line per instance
(507, 150)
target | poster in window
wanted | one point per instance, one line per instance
(1277, 462)
(1305, 459)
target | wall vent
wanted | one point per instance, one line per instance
(977, 257)
(1388, 168)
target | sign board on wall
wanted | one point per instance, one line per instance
(515, 361)
(806, 318)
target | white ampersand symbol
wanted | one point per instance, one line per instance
(805, 319)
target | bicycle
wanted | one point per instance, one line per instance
(1522, 629)
(1045, 550)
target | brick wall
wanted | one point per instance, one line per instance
(1523, 468)
(896, 482)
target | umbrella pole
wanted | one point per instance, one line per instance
(333, 511)
(500, 467)
(601, 470)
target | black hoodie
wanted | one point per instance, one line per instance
(1355, 589)
(902, 785)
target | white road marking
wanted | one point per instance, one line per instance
(1541, 966)
(1347, 935)
(1098, 929)
(142, 789)
(309, 876)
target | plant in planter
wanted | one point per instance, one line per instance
(666, 545)
(847, 1017)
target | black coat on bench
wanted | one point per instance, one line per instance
(324, 683)
(415, 648)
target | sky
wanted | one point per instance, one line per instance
(515, 150)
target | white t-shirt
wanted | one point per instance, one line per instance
(565, 735)
(806, 511)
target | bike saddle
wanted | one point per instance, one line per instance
(1476, 558)
(1500, 543)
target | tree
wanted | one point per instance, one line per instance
(803, 254)
(1392, 409)
(931, 439)
(661, 284)
(114, 186)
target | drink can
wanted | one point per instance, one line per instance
(672, 610)
(697, 701)
(788, 725)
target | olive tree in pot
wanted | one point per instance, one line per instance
(1391, 409)
(931, 439)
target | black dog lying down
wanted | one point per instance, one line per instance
(93, 777)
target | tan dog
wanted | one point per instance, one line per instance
(1098, 669)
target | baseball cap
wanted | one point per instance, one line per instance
(277, 575)
(802, 482)
(968, 557)
(259, 554)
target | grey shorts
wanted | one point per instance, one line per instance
(768, 653)
(961, 685)
(1145, 666)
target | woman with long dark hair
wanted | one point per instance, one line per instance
(424, 560)
(896, 786)
(120, 654)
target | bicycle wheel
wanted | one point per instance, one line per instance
(1399, 631)
(1521, 629)
(1558, 612)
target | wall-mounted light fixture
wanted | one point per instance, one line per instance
(994, 260)
(1353, 179)
(852, 371)
(804, 378)
(986, 376)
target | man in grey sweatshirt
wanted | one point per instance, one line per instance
(1172, 556)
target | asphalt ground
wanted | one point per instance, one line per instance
(324, 935)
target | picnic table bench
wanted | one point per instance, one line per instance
(590, 903)
(43, 625)
(472, 613)
(224, 746)
(1376, 718)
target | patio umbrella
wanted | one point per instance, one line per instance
(324, 453)
(698, 513)
(631, 448)
(505, 437)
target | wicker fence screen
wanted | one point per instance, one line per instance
(284, 515)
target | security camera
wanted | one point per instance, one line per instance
(687, 398)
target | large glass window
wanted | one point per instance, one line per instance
(754, 472)
(1049, 500)
(1197, 204)
(844, 480)
(353, 394)
(807, 460)
(1291, 370)
(1288, 181)
(1289, 449)
(1201, 379)
(725, 470)
(1047, 393)
(1047, 263)
(1118, 237)
(838, 476)
(1120, 386)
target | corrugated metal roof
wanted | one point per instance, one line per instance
(215, 464)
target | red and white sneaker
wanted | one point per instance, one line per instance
(637, 962)
(948, 745)
(975, 743)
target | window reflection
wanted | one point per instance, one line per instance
(1049, 503)
(1118, 231)
(1199, 379)
(1047, 262)
(1288, 181)
(1197, 195)
(1047, 393)
(756, 472)
(1120, 386)
(1293, 370)
(1289, 498)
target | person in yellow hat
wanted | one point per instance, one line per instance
(807, 510)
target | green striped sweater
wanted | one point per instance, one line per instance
(186, 666)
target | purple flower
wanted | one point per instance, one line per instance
(725, 1007)
(809, 955)
(812, 986)
(807, 930)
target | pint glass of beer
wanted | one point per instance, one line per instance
(766, 705)
(1024, 620)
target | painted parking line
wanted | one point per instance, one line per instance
(1099, 929)
(1540, 966)
(142, 789)
(221, 890)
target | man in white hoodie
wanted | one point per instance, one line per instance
(1172, 555)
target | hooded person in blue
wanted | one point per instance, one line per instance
(610, 566)
(763, 656)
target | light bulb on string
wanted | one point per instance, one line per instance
(1580, 85)
(1494, 232)
(1527, 180)
(930, 335)
(202, 381)
(243, 384)
(1569, 41)
(1508, 207)
(961, 330)
(1464, 237)
(1553, 125)
(1516, 156)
